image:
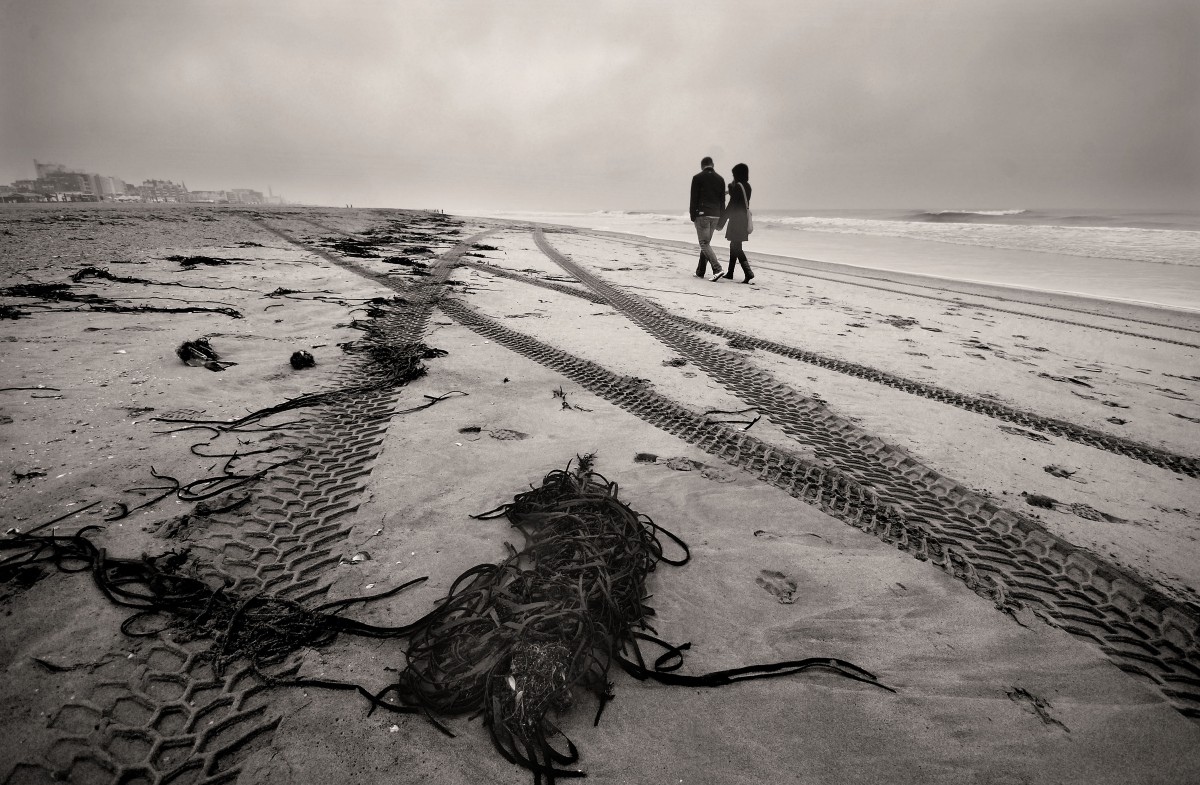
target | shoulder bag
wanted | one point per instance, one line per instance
(749, 215)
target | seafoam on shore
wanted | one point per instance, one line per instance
(1145, 257)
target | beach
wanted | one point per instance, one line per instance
(969, 470)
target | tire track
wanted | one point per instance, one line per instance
(1006, 555)
(966, 304)
(1090, 437)
(173, 718)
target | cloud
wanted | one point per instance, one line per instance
(573, 106)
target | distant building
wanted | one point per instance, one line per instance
(162, 191)
(244, 196)
(111, 187)
(10, 194)
(69, 187)
(45, 170)
(207, 197)
(57, 183)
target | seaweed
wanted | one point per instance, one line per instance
(302, 359)
(200, 352)
(62, 292)
(262, 628)
(208, 261)
(514, 641)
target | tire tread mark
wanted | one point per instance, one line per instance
(916, 495)
(148, 728)
(1154, 456)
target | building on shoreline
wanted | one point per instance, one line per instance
(57, 183)
(162, 191)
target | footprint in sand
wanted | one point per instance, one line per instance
(505, 435)
(778, 584)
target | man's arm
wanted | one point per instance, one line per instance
(694, 206)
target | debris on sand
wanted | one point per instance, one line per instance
(200, 352)
(739, 417)
(51, 292)
(27, 473)
(301, 360)
(566, 404)
(1065, 379)
(1038, 500)
(405, 261)
(514, 640)
(1032, 435)
(167, 596)
(208, 261)
(62, 292)
(392, 365)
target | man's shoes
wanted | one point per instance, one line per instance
(748, 280)
(718, 276)
(699, 275)
(729, 276)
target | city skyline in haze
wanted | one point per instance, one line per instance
(554, 106)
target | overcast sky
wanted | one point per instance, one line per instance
(610, 105)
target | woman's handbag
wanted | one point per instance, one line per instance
(749, 215)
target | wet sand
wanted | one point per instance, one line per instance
(989, 688)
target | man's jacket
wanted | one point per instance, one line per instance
(708, 195)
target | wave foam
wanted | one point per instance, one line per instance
(976, 212)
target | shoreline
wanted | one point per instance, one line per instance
(1187, 318)
(895, 255)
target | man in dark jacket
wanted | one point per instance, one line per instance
(707, 206)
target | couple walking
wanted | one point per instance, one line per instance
(709, 212)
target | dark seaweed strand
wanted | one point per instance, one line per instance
(391, 367)
(512, 641)
(263, 628)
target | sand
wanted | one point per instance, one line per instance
(986, 691)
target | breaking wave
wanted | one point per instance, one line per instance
(964, 215)
(1156, 246)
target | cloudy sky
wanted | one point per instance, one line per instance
(526, 105)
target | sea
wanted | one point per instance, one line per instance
(1146, 257)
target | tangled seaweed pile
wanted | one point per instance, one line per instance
(514, 640)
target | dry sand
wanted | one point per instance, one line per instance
(986, 691)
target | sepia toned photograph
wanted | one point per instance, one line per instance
(662, 393)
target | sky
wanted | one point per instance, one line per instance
(609, 105)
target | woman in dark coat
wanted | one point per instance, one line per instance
(737, 217)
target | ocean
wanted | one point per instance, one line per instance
(1146, 257)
